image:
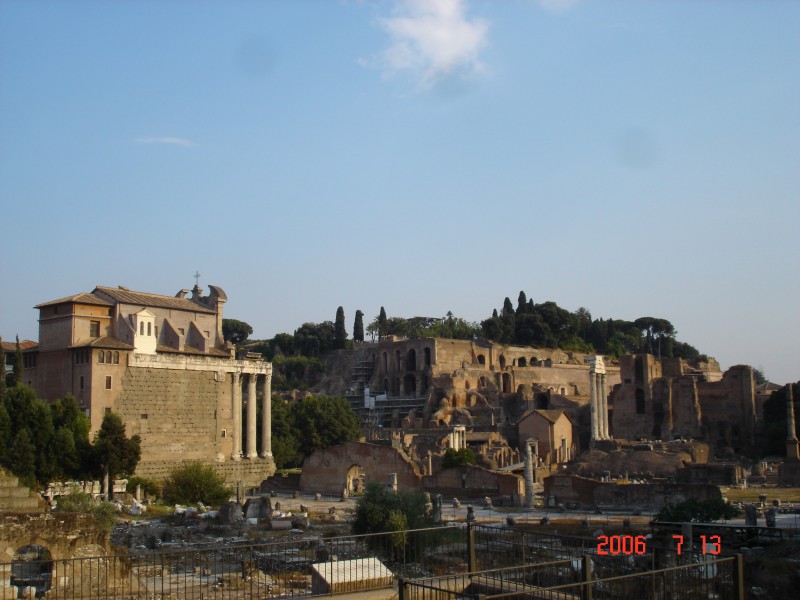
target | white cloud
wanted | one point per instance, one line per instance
(431, 40)
(164, 140)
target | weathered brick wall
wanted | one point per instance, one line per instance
(590, 492)
(469, 481)
(325, 471)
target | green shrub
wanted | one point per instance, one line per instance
(105, 513)
(149, 487)
(195, 482)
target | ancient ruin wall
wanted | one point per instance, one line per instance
(180, 416)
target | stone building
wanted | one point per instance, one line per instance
(673, 398)
(552, 432)
(161, 363)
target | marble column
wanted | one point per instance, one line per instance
(593, 404)
(604, 405)
(236, 410)
(266, 418)
(792, 450)
(251, 416)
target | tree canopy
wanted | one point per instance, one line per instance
(235, 331)
(116, 453)
(312, 423)
(380, 510)
(339, 330)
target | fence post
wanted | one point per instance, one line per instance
(587, 577)
(738, 577)
(471, 556)
(401, 588)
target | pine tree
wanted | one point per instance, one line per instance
(339, 330)
(358, 327)
(383, 324)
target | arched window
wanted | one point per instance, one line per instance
(481, 359)
(502, 361)
(149, 331)
(101, 357)
(411, 361)
(109, 357)
(522, 362)
(141, 328)
(116, 358)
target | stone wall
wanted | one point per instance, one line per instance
(475, 482)
(326, 471)
(591, 492)
(63, 534)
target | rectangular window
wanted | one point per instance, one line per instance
(94, 328)
(108, 382)
(144, 416)
(107, 411)
(81, 382)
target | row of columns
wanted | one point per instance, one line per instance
(599, 398)
(266, 417)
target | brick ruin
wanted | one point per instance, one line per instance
(415, 393)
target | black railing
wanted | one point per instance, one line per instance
(492, 560)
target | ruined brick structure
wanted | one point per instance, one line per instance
(672, 398)
(441, 382)
(161, 363)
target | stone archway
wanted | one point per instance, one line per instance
(355, 480)
(410, 385)
(32, 567)
(411, 360)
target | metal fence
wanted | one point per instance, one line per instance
(718, 578)
(275, 569)
(308, 565)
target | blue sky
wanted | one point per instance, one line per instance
(636, 158)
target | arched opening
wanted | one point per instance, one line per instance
(355, 480)
(467, 384)
(562, 390)
(411, 360)
(640, 401)
(534, 361)
(502, 361)
(385, 386)
(522, 362)
(427, 357)
(541, 402)
(506, 383)
(410, 385)
(481, 382)
(101, 357)
(32, 566)
(481, 359)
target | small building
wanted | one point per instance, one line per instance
(552, 429)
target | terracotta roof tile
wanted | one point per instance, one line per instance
(192, 351)
(550, 415)
(23, 345)
(155, 300)
(104, 342)
(82, 298)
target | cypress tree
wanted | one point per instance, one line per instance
(339, 331)
(383, 324)
(18, 365)
(2, 373)
(358, 327)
